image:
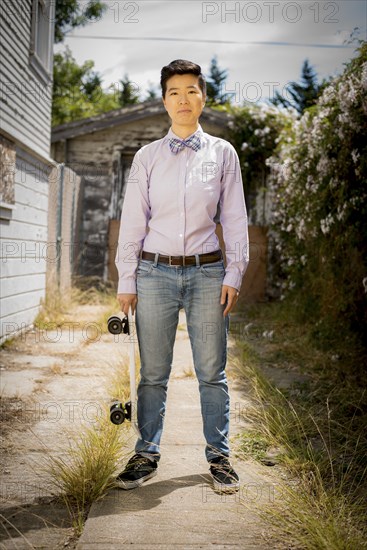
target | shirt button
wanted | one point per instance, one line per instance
(180, 234)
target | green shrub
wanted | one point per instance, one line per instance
(254, 131)
(319, 231)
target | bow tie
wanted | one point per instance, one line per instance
(176, 145)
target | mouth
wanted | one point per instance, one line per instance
(185, 111)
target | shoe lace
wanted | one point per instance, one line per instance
(223, 466)
(138, 460)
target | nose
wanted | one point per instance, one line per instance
(183, 99)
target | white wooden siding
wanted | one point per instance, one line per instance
(24, 246)
(25, 116)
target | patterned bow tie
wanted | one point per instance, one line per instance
(176, 145)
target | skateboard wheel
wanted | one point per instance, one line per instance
(114, 325)
(117, 414)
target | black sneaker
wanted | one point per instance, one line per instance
(137, 470)
(224, 477)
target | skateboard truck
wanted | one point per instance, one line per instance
(118, 411)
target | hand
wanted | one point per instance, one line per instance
(231, 294)
(127, 300)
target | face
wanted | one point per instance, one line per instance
(184, 100)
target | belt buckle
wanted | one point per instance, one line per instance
(183, 261)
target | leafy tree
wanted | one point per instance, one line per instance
(92, 81)
(303, 94)
(77, 91)
(215, 82)
(129, 92)
(71, 13)
(152, 93)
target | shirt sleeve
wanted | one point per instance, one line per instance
(133, 225)
(233, 218)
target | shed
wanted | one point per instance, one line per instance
(100, 149)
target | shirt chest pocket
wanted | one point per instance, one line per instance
(205, 178)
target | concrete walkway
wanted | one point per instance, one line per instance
(178, 507)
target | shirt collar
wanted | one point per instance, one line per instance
(171, 134)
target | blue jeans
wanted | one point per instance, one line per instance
(162, 291)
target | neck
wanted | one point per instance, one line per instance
(184, 132)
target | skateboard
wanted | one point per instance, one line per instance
(119, 411)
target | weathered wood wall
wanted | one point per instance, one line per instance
(63, 205)
(97, 157)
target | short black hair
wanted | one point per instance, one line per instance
(181, 66)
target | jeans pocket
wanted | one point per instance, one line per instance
(144, 268)
(215, 270)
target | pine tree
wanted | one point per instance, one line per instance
(151, 93)
(129, 93)
(303, 94)
(215, 82)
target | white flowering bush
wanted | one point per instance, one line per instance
(254, 131)
(319, 208)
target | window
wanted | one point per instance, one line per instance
(42, 22)
(7, 172)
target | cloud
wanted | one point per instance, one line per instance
(314, 22)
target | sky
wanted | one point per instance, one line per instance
(262, 44)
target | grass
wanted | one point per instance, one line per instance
(64, 309)
(88, 471)
(8, 343)
(60, 305)
(119, 381)
(319, 424)
(252, 444)
(56, 307)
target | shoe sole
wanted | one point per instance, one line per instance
(135, 483)
(226, 487)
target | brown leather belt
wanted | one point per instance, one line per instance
(184, 260)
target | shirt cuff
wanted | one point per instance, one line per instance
(230, 279)
(126, 286)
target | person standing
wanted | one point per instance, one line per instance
(168, 258)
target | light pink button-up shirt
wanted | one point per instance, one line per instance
(171, 202)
